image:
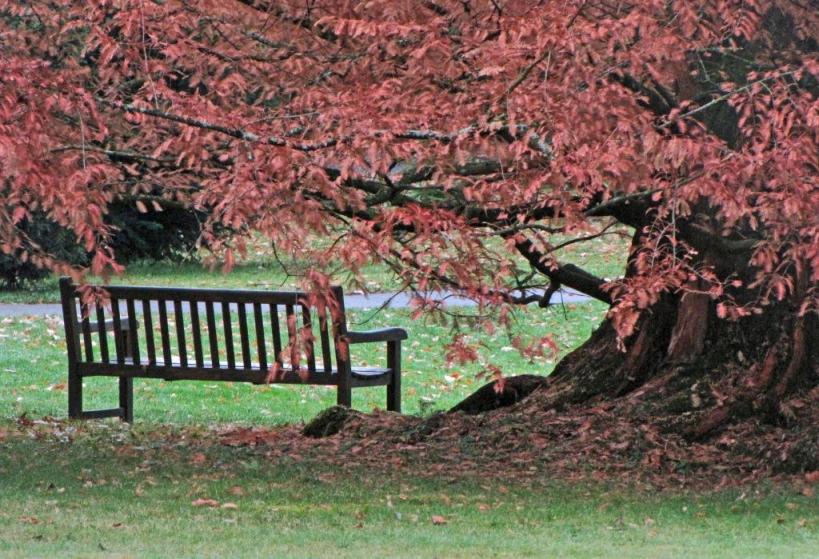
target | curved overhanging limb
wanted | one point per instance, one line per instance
(568, 275)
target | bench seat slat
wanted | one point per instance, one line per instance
(90, 369)
(362, 376)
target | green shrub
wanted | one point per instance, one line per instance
(167, 235)
(53, 238)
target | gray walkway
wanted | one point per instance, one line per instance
(351, 301)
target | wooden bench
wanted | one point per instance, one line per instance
(277, 351)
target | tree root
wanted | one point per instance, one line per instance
(487, 398)
(329, 422)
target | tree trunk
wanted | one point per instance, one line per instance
(692, 373)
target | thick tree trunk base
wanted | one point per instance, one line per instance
(691, 374)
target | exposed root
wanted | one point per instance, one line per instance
(488, 398)
(797, 359)
(688, 337)
(329, 422)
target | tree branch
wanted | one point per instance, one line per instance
(567, 274)
(130, 155)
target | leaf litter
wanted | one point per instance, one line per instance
(523, 443)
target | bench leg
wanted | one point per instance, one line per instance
(394, 387)
(74, 395)
(126, 398)
(344, 396)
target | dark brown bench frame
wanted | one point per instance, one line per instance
(127, 364)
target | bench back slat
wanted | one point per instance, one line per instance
(344, 379)
(86, 334)
(324, 333)
(197, 334)
(69, 296)
(227, 323)
(212, 336)
(120, 350)
(244, 337)
(163, 333)
(261, 348)
(179, 319)
(103, 334)
(133, 348)
(307, 329)
(276, 334)
(150, 346)
(292, 334)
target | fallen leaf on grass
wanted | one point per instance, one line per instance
(198, 458)
(438, 520)
(812, 477)
(483, 507)
(230, 506)
(236, 490)
(205, 503)
(29, 520)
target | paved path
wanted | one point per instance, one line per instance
(351, 301)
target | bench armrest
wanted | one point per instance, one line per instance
(125, 325)
(381, 335)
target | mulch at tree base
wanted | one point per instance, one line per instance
(582, 444)
(522, 443)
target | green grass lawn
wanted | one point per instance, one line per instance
(106, 491)
(103, 489)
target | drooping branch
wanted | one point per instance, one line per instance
(237, 133)
(114, 154)
(534, 140)
(566, 274)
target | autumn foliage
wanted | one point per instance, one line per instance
(463, 143)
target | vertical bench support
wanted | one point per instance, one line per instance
(345, 371)
(394, 387)
(72, 337)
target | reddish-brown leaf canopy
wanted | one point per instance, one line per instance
(446, 138)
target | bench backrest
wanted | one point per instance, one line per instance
(273, 327)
